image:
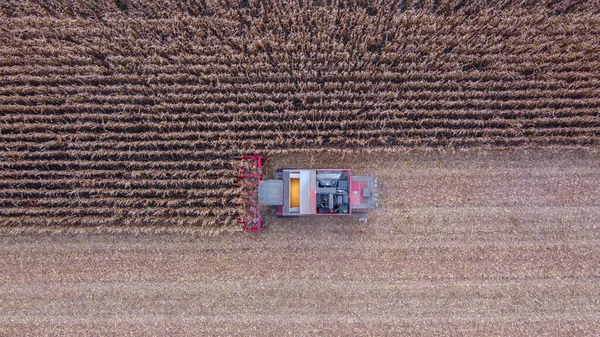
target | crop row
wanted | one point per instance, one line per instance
(301, 79)
(73, 183)
(443, 85)
(307, 98)
(252, 130)
(17, 197)
(123, 212)
(295, 121)
(273, 64)
(261, 119)
(99, 164)
(117, 174)
(345, 138)
(431, 137)
(269, 107)
(175, 150)
(118, 224)
(129, 202)
(248, 123)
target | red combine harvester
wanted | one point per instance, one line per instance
(303, 192)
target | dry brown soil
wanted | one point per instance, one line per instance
(469, 243)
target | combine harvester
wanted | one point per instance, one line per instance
(304, 192)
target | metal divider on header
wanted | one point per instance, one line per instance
(249, 176)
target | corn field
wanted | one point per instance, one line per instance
(127, 115)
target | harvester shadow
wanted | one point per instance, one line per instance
(313, 226)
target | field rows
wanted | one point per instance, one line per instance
(290, 120)
(99, 72)
(114, 115)
(444, 88)
(124, 194)
(175, 149)
(115, 202)
(407, 89)
(311, 79)
(388, 99)
(116, 224)
(95, 174)
(316, 116)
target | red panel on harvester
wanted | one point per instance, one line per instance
(356, 192)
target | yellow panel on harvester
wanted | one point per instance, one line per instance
(294, 192)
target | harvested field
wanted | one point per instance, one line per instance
(126, 115)
(478, 243)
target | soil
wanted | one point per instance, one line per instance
(465, 243)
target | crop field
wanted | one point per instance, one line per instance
(127, 115)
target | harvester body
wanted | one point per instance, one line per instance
(298, 192)
(303, 192)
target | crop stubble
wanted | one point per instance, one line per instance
(126, 115)
(470, 243)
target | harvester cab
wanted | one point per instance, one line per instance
(306, 192)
